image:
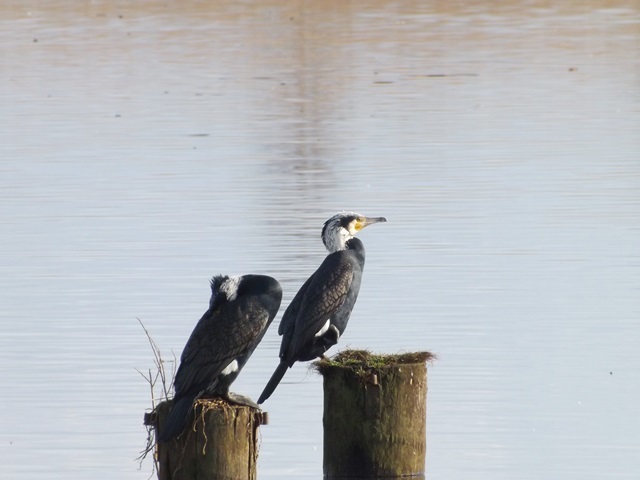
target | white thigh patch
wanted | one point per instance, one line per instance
(232, 367)
(324, 328)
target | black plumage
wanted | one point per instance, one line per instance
(317, 316)
(240, 311)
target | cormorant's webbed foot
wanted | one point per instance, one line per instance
(240, 400)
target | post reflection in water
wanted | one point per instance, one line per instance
(147, 146)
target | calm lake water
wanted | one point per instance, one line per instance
(145, 146)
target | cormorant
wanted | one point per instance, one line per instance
(240, 311)
(318, 314)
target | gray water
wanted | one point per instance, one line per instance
(145, 146)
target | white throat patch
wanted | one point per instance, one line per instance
(336, 239)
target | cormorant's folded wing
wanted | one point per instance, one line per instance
(218, 338)
(326, 291)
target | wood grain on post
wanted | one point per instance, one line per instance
(221, 444)
(374, 419)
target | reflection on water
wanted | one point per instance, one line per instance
(146, 147)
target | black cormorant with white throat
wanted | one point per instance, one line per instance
(318, 314)
(240, 311)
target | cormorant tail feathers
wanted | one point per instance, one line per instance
(274, 381)
(177, 419)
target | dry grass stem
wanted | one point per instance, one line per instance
(158, 380)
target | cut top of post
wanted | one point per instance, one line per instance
(365, 364)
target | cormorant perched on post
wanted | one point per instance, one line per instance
(318, 314)
(240, 311)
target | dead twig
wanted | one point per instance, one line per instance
(165, 388)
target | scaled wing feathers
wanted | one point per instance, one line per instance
(326, 292)
(224, 341)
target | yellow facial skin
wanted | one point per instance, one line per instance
(357, 225)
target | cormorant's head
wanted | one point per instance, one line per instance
(342, 227)
(223, 289)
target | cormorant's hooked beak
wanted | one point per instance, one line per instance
(366, 221)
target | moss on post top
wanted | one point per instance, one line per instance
(363, 362)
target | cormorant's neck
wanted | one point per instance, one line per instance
(354, 244)
(339, 244)
(223, 289)
(336, 242)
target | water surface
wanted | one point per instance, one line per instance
(147, 147)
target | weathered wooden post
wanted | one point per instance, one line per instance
(221, 444)
(374, 419)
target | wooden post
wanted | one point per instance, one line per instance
(374, 415)
(221, 444)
